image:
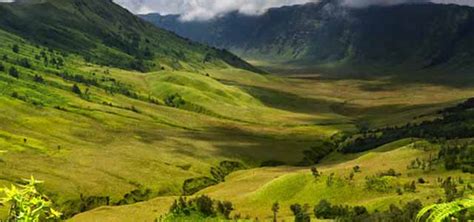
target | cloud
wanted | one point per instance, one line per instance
(366, 3)
(207, 9)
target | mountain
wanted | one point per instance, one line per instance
(330, 36)
(106, 33)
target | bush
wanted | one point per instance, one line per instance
(16, 48)
(25, 63)
(38, 79)
(193, 185)
(14, 72)
(175, 100)
(76, 89)
(27, 204)
(225, 168)
(323, 210)
(301, 213)
(200, 207)
(376, 183)
(225, 208)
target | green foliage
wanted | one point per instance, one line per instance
(2, 67)
(379, 184)
(325, 210)
(75, 89)
(301, 213)
(275, 210)
(27, 204)
(199, 207)
(456, 122)
(16, 48)
(316, 174)
(175, 100)
(193, 185)
(443, 211)
(316, 153)
(14, 72)
(225, 168)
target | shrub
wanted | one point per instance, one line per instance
(27, 204)
(38, 79)
(204, 204)
(16, 48)
(323, 210)
(225, 208)
(25, 63)
(376, 183)
(300, 212)
(76, 89)
(390, 173)
(201, 207)
(193, 185)
(14, 72)
(174, 100)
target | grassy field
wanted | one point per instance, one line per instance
(119, 135)
(254, 191)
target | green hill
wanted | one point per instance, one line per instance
(105, 33)
(108, 137)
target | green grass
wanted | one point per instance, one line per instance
(108, 144)
(254, 191)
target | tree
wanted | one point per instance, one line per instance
(275, 209)
(14, 72)
(27, 204)
(315, 172)
(301, 213)
(204, 205)
(225, 208)
(323, 210)
(16, 48)
(356, 169)
(76, 89)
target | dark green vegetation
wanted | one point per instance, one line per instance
(199, 208)
(332, 38)
(107, 34)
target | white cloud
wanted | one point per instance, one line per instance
(207, 9)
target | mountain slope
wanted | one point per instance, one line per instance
(105, 33)
(407, 37)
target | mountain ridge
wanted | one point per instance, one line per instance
(331, 36)
(108, 34)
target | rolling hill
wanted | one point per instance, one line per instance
(119, 118)
(329, 37)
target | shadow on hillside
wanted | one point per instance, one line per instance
(253, 147)
(284, 100)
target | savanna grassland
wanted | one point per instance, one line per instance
(122, 133)
(118, 129)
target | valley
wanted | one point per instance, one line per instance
(119, 119)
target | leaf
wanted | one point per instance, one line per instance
(440, 212)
